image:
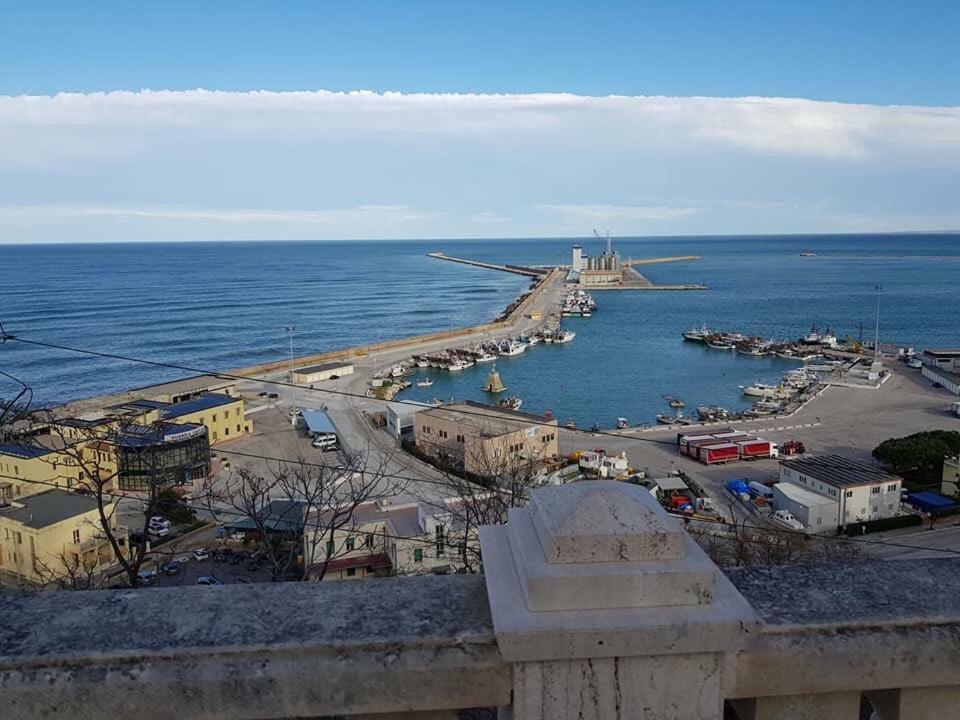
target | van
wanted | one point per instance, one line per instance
(325, 442)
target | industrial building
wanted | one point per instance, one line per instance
(818, 513)
(862, 492)
(324, 371)
(483, 439)
(400, 418)
(593, 271)
(950, 485)
(942, 367)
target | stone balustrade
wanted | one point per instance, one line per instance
(595, 604)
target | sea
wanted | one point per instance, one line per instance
(216, 306)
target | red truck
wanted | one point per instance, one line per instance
(754, 448)
(711, 454)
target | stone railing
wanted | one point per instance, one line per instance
(595, 605)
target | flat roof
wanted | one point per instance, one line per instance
(142, 435)
(24, 451)
(472, 409)
(318, 421)
(207, 401)
(323, 367)
(406, 407)
(49, 508)
(943, 353)
(839, 471)
(802, 495)
(670, 483)
(139, 404)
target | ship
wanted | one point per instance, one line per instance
(459, 365)
(622, 423)
(425, 383)
(721, 345)
(484, 357)
(695, 335)
(674, 402)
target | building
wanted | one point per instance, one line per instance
(593, 278)
(579, 261)
(223, 415)
(400, 418)
(485, 440)
(862, 492)
(29, 468)
(817, 512)
(942, 367)
(324, 371)
(387, 538)
(161, 455)
(950, 485)
(52, 534)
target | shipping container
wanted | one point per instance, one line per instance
(693, 448)
(754, 448)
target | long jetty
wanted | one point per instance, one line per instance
(515, 269)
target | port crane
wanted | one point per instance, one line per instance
(600, 237)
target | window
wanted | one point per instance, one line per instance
(875, 490)
(226, 431)
(848, 493)
(351, 572)
(418, 555)
(329, 548)
(440, 543)
(76, 537)
(350, 543)
(368, 540)
(238, 428)
(892, 487)
(237, 413)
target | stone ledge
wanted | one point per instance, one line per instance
(256, 651)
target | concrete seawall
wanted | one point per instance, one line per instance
(410, 343)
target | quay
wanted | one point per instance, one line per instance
(515, 269)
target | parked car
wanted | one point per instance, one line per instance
(159, 531)
(158, 521)
(172, 568)
(147, 577)
(183, 560)
(262, 394)
(272, 396)
(208, 580)
(201, 554)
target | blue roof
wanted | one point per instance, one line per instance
(932, 499)
(318, 422)
(143, 435)
(20, 450)
(206, 401)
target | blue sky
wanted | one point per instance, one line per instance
(499, 122)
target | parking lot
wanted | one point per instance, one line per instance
(190, 569)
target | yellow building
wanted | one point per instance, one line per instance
(222, 414)
(52, 535)
(485, 439)
(28, 469)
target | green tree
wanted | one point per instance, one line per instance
(918, 457)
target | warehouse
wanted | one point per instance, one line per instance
(816, 512)
(319, 373)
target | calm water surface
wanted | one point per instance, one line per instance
(222, 305)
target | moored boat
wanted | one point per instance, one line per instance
(425, 383)
(566, 336)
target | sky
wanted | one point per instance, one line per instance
(322, 120)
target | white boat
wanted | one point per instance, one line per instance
(759, 389)
(459, 365)
(808, 253)
(485, 357)
(721, 345)
(622, 423)
(531, 341)
(812, 337)
(425, 383)
(511, 403)
(586, 313)
(422, 362)
(752, 351)
(512, 347)
(566, 336)
(695, 335)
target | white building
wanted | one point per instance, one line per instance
(399, 417)
(862, 492)
(579, 261)
(942, 367)
(817, 512)
(319, 373)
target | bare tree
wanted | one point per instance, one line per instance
(297, 509)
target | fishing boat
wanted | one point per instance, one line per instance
(511, 403)
(425, 383)
(622, 423)
(665, 419)
(695, 335)
(721, 345)
(484, 357)
(533, 340)
(566, 336)
(511, 347)
(459, 365)
(759, 389)
(812, 337)
(674, 402)
(421, 361)
(712, 412)
(570, 425)
(752, 350)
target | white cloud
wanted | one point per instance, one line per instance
(620, 212)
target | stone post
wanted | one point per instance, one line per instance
(608, 609)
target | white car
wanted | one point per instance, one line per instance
(159, 531)
(201, 554)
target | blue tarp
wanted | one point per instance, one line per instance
(318, 423)
(931, 502)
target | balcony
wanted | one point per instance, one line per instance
(595, 604)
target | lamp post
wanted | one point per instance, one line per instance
(293, 399)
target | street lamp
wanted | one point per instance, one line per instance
(293, 399)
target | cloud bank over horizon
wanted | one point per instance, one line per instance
(211, 165)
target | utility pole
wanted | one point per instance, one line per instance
(876, 337)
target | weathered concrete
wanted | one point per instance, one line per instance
(924, 703)
(254, 651)
(832, 706)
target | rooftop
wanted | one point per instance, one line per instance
(318, 421)
(279, 515)
(943, 353)
(140, 405)
(802, 495)
(48, 508)
(487, 417)
(134, 435)
(21, 450)
(207, 401)
(839, 471)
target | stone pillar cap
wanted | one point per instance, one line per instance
(603, 521)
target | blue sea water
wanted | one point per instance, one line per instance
(223, 305)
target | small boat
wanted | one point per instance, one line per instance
(721, 345)
(532, 340)
(512, 347)
(586, 313)
(751, 350)
(484, 357)
(808, 253)
(459, 365)
(665, 419)
(622, 423)
(759, 389)
(695, 335)
(425, 383)
(566, 336)
(674, 402)
(570, 425)
(421, 362)
(511, 403)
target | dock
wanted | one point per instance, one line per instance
(657, 261)
(515, 269)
